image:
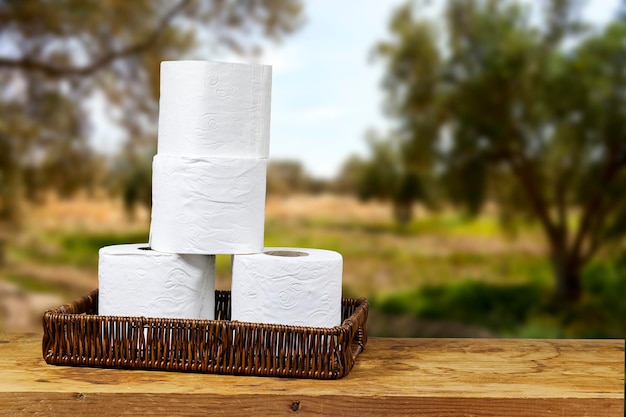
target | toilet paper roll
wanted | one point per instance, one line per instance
(291, 286)
(214, 109)
(137, 281)
(208, 205)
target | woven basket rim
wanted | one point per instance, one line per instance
(360, 303)
(75, 336)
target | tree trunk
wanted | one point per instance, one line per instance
(567, 273)
(403, 212)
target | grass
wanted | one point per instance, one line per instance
(79, 249)
(28, 283)
(521, 309)
(441, 268)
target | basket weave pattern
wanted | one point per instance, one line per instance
(75, 335)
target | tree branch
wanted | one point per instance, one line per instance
(561, 206)
(101, 62)
(596, 207)
(526, 174)
(537, 202)
(594, 244)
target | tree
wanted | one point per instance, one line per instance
(56, 56)
(528, 115)
(289, 176)
(285, 177)
(383, 177)
(130, 177)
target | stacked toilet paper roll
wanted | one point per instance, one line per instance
(214, 109)
(290, 286)
(208, 198)
(137, 281)
(208, 191)
(208, 205)
(209, 174)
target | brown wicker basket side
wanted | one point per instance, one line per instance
(75, 335)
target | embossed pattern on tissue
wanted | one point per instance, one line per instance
(208, 206)
(214, 109)
(156, 286)
(308, 294)
(179, 288)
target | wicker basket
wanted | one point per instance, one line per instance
(75, 335)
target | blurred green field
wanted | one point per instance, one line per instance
(443, 275)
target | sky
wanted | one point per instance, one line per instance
(324, 91)
(325, 88)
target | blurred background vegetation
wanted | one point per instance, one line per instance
(493, 207)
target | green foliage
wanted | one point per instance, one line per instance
(56, 56)
(383, 177)
(605, 284)
(497, 306)
(131, 177)
(498, 108)
(521, 310)
(447, 269)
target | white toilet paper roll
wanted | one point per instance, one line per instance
(214, 109)
(136, 281)
(208, 205)
(292, 286)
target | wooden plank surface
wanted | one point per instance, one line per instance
(419, 377)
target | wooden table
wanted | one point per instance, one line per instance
(394, 377)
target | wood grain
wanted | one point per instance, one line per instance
(418, 377)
